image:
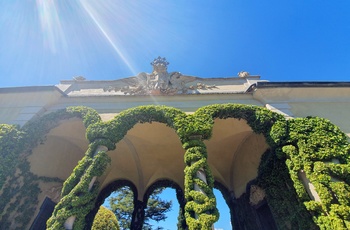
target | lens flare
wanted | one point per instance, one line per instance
(96, 18)
(53, 34)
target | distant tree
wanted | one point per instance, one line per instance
(105, 219)
(121, 203)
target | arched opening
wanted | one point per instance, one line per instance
(234, 153)
(151, 151)
(120, 197)
(107, 193)
(147, 153)
(121, 203)
(240, 137)
(170, 191)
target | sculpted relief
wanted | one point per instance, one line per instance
(159, 82)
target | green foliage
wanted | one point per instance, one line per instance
(121, 203)
(105, 219)
(320, 149)
(312, 145)
(19, 187)
(10, 145)
(80, 200)
(200, 209)
(116, 129)
(288, 211)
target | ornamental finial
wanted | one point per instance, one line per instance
(160, 62)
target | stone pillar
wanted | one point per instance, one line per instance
(202, 176)
(310, 188)
(98, 149)
(68, 225)
(196, 166)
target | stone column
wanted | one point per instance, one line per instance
(309, 187)
(196, 165)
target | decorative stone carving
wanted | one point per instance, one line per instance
(159, 82)
(243, 74)
(257, 195)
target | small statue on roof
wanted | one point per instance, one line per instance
(243, 74)
(162, 82)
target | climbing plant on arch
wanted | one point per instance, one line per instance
(17, 182)
(313, 146)
(111, 132)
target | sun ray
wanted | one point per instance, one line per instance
(103, 29)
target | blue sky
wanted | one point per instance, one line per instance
(45, 41)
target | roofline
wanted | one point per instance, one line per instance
(305, 84)
(31, 89)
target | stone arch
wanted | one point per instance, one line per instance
(115, 129)
(287, 141)
(179, 196)
(234, 153)
(106, 134)
(32, 177)
(192, 130)
(64, 141)
(260, 120)
(168, 184)
(147, 153)
(242, 127)
(251, 135)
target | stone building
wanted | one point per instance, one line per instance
(152, 151)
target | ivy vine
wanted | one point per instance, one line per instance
(320, 150)
(313, 146)
(19, 187)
